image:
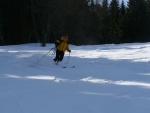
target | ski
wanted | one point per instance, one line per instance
(68, 67)
(57, 63)
(73, 66)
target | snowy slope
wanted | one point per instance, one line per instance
(106, 79)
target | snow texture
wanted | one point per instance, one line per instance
(106, 79)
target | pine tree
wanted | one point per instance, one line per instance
(148, 21)
(114, 18)
(122, 20)
(2, 41)
(105, 22)
(136, 27)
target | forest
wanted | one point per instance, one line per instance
(86, 21)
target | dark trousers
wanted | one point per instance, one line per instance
(59, 55)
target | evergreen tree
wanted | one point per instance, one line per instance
(2, 41)
(136, 26)
(93, 25)
(148, 21)
(122, 20)
(105, 22)
(114, 18)
(16, 24)
(80, 19)
(86, 21)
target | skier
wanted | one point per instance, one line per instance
(61, 46)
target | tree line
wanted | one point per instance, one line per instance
(86, 21)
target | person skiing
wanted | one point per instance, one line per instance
(61, 46)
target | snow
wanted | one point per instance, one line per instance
(106, 79)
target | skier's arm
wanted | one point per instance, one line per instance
(68, 48)
(57, 42)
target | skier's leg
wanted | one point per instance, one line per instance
(57, 55)
(61, 56)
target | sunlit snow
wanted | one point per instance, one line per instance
(106, 79)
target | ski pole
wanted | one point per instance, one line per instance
(68, 58)
(54, 51)
(44, 55)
